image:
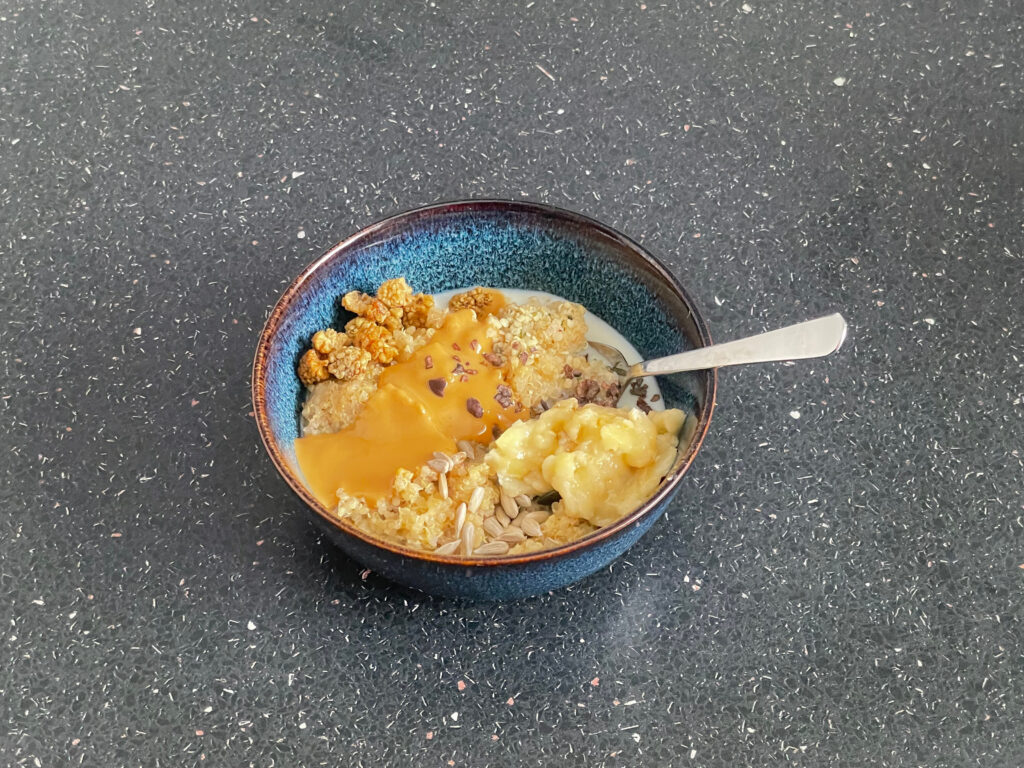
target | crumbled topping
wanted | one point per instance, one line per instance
(599, 392)
(437, 386)
(475, 407)
(504, 396)
(638, 387)
(587, 390)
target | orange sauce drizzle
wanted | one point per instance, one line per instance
(404, 421)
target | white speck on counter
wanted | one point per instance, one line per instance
(455, 717)
(296, 174)
(302, 234)
(250, 626)
(840, 81)
(746, 8)
(794, 414)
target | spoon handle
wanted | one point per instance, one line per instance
(813, 338)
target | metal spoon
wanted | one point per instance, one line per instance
(813, 338)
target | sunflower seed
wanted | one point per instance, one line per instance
(466, 447)
(468, 532)
(493, 527)
(501, 518)
(492, 548)
(442, 485)
(460, 518)
(438, 466)
(509, 505)
(448, 549)
(539, 515)
(476, 498)
(518, 522)
(523, 501)
(440, 456)
(512, 535)
(531, 527)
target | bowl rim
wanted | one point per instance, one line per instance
(666, 489)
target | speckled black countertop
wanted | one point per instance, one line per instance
(838, 584)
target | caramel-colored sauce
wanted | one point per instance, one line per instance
(404, 421)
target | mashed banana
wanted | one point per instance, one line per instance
(603, 462)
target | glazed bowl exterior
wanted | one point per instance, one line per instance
(504, 244)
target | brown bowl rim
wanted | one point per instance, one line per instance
(601, 534)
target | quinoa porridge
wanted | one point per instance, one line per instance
(476, 423)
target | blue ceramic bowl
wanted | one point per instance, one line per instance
(503, 244)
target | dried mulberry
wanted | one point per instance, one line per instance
(345, 363)
(374, 338)
(474, 298)
(396, 293)
(418, 310)
(313, 368)
(327, 339)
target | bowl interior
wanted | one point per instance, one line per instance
(500, 244)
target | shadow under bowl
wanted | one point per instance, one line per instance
(504, 244)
